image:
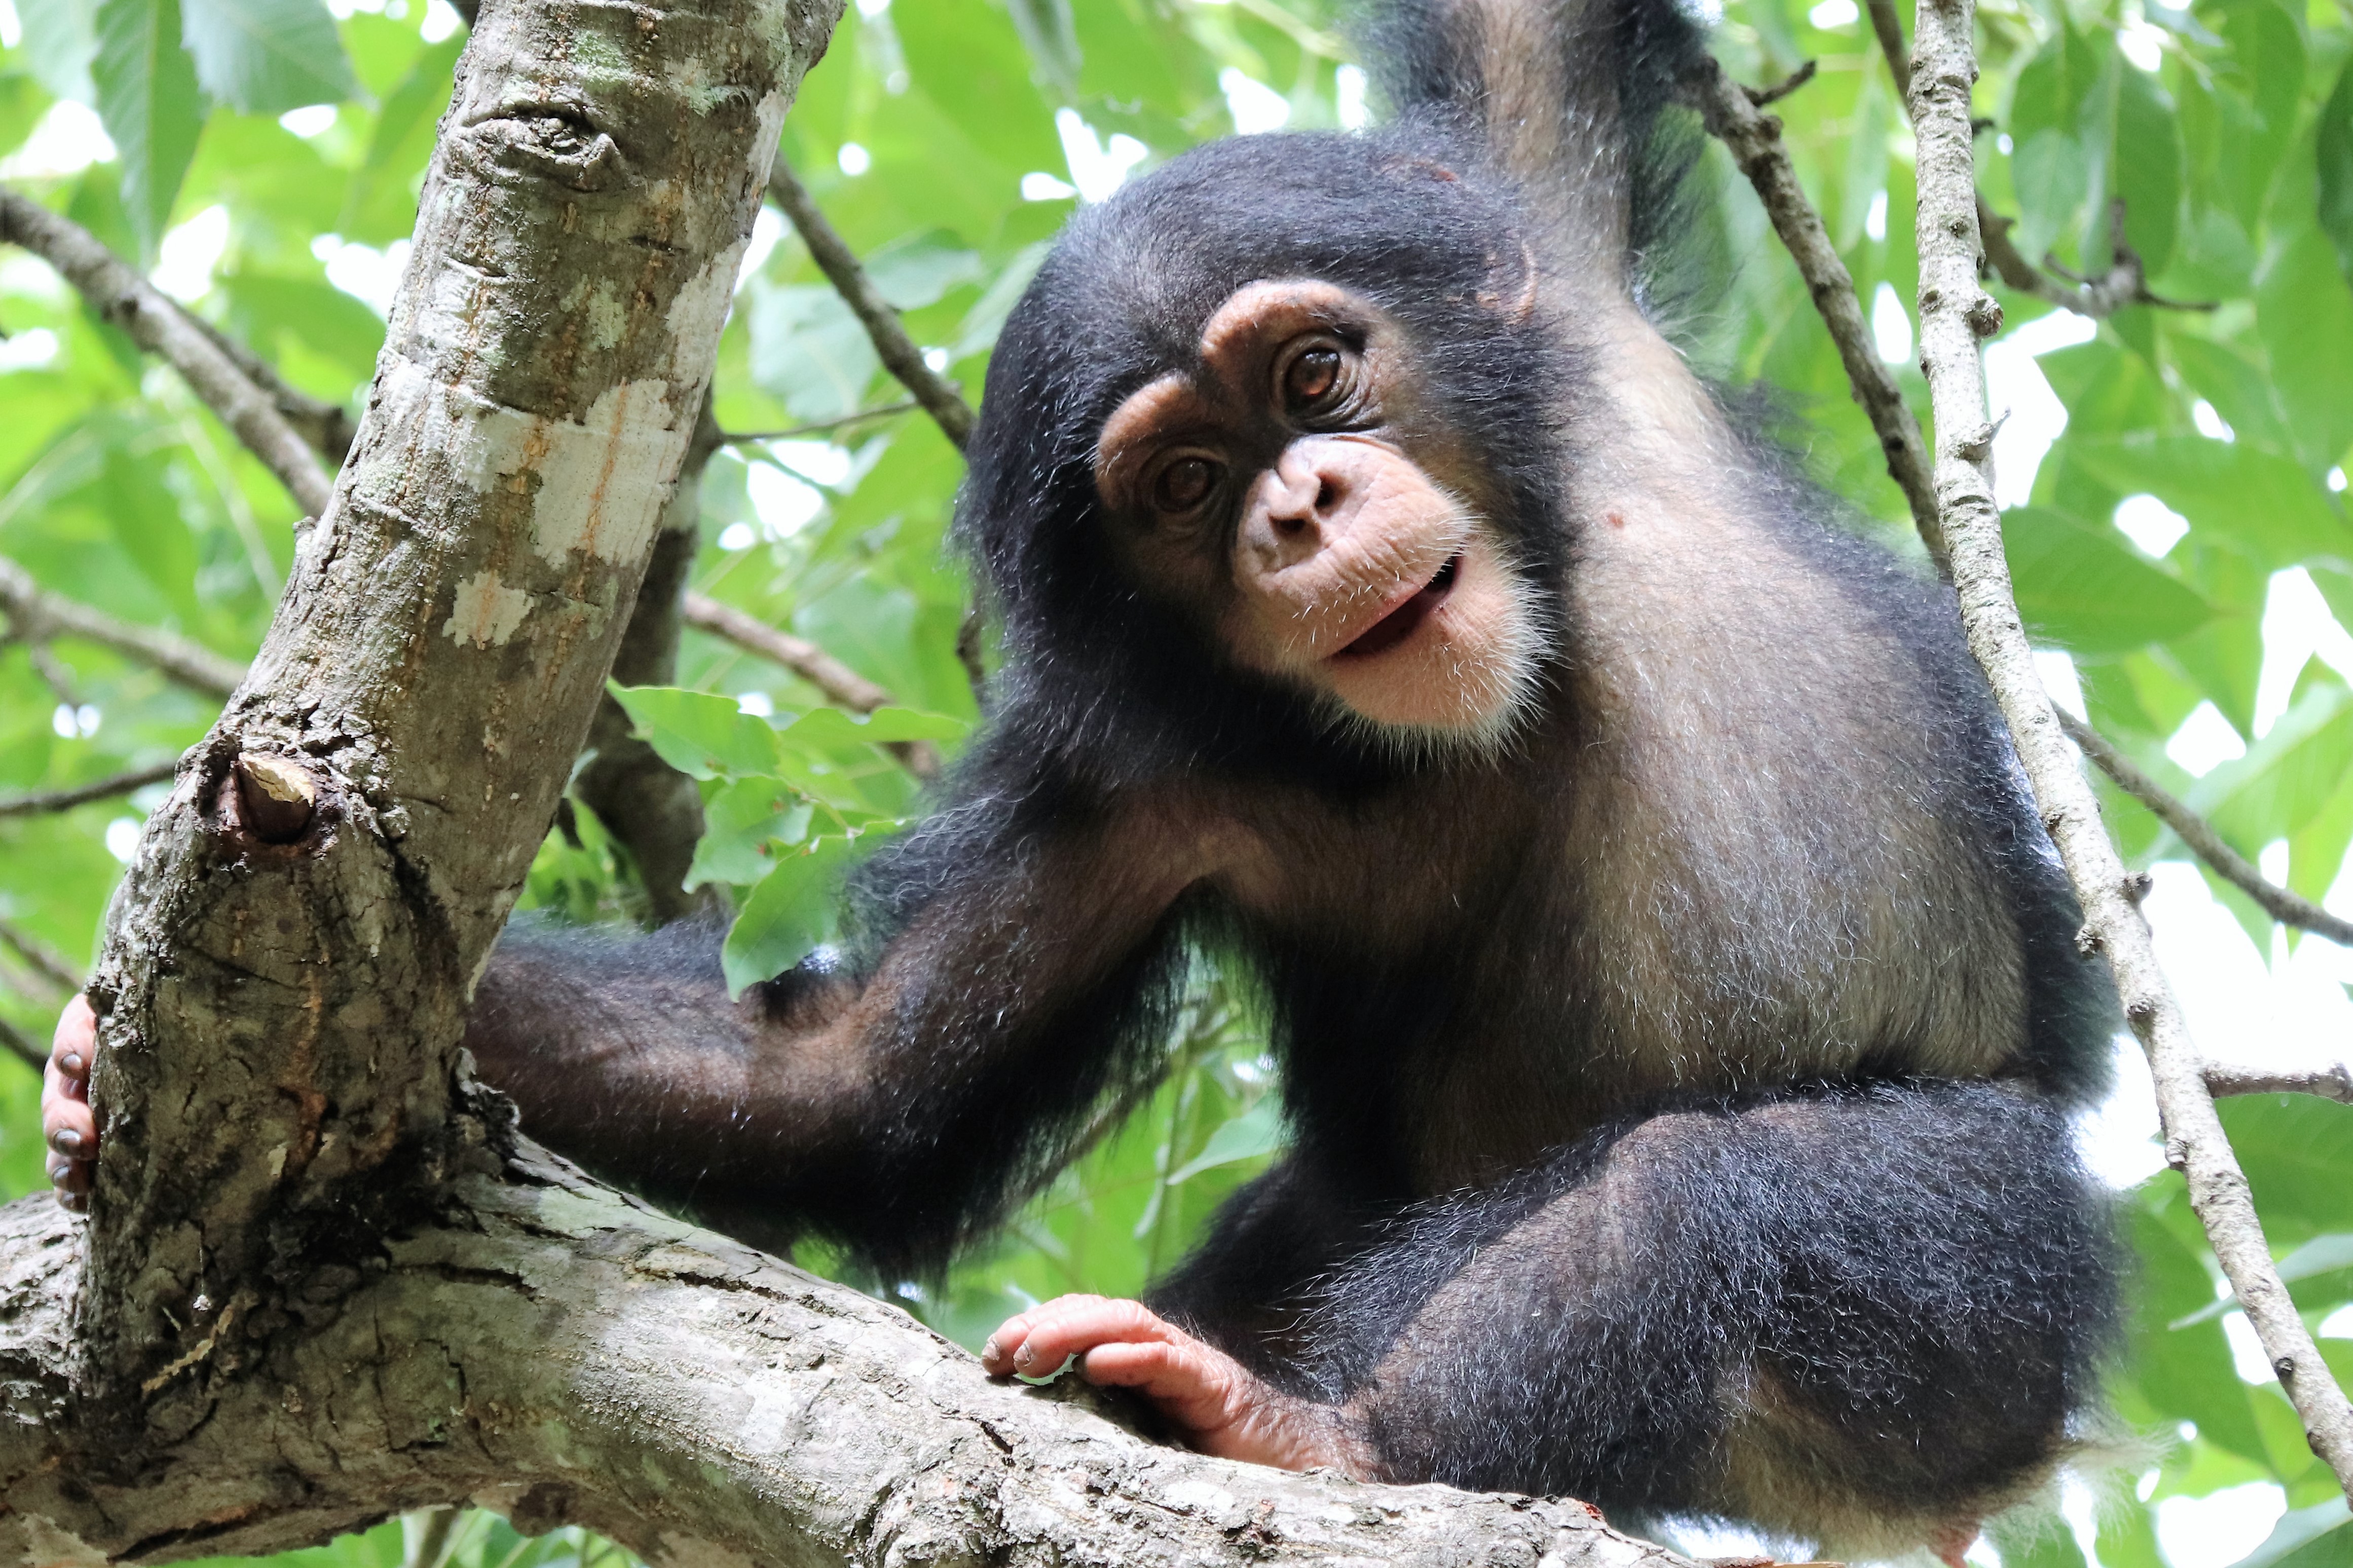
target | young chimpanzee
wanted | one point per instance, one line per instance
(1676, 996)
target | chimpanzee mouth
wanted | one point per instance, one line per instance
(1406, 619)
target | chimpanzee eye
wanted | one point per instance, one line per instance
(1311, 376)
(1184, 484)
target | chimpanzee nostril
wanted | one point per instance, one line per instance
(1289, 525)
(1328, 495)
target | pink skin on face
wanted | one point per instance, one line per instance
(67, 1125)
(1219, 1406)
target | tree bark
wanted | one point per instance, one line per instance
(288, 960)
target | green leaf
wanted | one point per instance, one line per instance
(2050, 175)
(2263, 505)
(2239, 388)
(2304, 311)
(60, 42)
(793, 912)
(2087, 587)
(701, 736)
(147, 95)
(2334, 145)
(830, 727)
(2322, 1255)
(266, 56)
(809, 351)
(2287, 776)
(2148, 165)
(2297, 1153)
(743, 823)
(1258, 1131)
(2320, 1536)
(2185, 1372)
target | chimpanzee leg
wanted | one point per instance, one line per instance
(1865, 1314)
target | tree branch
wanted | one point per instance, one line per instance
(818, 427)
(155, 323)
(66, 799)
(1955, 313)
(897, 351)
(841, 685)
(2123, 284)
(2334, 1083)
(44, 960)
(38, 615)
(562, 1354)
(2280, 903)
(326, 427)
(1754, 138)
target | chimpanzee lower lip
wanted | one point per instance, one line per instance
(1402, 622)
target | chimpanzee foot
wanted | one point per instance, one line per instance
(1218, 1405)
(67, 1125)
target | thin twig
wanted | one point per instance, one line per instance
(842, 686)
(1754, 138)
(817, 427)
(42, 959)
(2123, 284)
(2334, 1083)
(82, 794)
(13, 1041)
(1955, 314)
(897, 351)
(157, 324)
(1761, 96)
(2280, 903)
(38, 614)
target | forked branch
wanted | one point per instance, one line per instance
(1955, 314)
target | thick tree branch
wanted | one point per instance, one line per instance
(2280, 903)
(155, 323)
(1955, 313)
(562, 1354)
(1754, 137)
(842, 686)
(897, 351)
(66, 799)
(38, 615)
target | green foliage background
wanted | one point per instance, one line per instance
(2234, 154)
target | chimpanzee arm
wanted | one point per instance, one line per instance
(895, 1099)
(1870, 1311)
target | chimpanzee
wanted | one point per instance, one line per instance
(1676, 996)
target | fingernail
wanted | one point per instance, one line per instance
(988, 1350)
(71, 1063)
(73, 1203)
(1025, 1355)
(65, 1140)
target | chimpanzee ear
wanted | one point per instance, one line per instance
(1511, 291)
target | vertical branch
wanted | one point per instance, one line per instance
(1955, 314)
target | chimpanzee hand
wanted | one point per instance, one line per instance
(67, 1124)
(1216, 1405)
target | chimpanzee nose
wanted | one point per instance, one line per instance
(1296, 506)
